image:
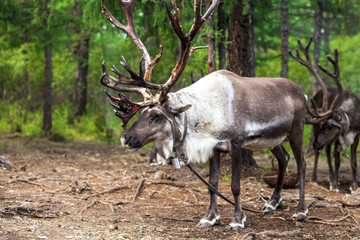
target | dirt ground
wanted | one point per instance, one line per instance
(90, 191)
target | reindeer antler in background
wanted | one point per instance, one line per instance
(143, 79)
(325, 111)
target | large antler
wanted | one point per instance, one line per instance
(325, 111)
(143, 79)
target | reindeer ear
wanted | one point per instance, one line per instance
(179, 109)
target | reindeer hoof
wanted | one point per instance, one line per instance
(271, 206)
(237, 226)
(209, 221)
(299, 216)
(353, 188)
(334, 189)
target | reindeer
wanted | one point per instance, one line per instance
(158, 154)
(220, 113)
(335, 118)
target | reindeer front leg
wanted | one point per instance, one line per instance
(333, 183)
(239, 219)
(212, 217)
(314, 173)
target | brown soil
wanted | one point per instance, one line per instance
(86, 191)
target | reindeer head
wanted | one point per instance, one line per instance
(327, 121)
(156, 121)
(329, 129)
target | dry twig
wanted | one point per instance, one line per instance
(90, 205)
(171, 183)
(29, 181)
(194, 196)
(111, 208)
(139, 189)
(113, 189)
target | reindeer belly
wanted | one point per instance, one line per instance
(260, 135)
(258, 143)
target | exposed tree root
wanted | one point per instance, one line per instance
(35, 213)
(346, 204)
(272, 234)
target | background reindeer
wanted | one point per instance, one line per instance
(335, 119)
(222, 112)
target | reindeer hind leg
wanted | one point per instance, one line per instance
(296, 143)
(353, 163)
(282, 157)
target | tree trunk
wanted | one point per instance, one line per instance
(284, 39)
(47, 114)
(222, 26)
(82, 56)
(240, 48)
(317, 42)
(241, 52)
(211, 50)
(25, 82)
(327, 28)
(82, 63)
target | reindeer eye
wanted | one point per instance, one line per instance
(155, 118)
(338, 118)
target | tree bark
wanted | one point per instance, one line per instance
(327, 27)
(211, 50)
(82, 63)
(284, 39)
(222, 26)
(240, 50)
(317, 42)
(47, 110)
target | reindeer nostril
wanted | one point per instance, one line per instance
(130, 141)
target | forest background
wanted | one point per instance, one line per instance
(51, 53)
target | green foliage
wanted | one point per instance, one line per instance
(22, 111)
(349, 61)
(226, 177)
(267, 169)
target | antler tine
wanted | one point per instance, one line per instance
(130, 31)
(307, 63)
(111, 82)
(185, 39)
(143, 79)
(129, 28)
(127, 67)
(336, 76)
